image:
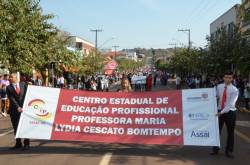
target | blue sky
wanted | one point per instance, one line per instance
(137, 23)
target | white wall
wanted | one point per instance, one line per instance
(225, 19)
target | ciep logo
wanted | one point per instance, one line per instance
(198, 116)
(38, 108)
(200, 134)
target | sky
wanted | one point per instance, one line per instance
(137, 23)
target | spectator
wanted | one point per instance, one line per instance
(38, 81)
(3, 96)
(61, 81)
(178, 82)
(247, 96)
(93, 85)
(5, 80)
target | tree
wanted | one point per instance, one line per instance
(28, 41)
(92, 63)
(127, 65)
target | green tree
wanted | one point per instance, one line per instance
(92, 63)
(28, 41)
(127, 65)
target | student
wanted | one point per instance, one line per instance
(227, 95)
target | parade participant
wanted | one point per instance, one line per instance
(149, 82)
(125, 85)
(16, 93)
(227, 95)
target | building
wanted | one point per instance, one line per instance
(228, 20)
(245, 20)
(82, 45)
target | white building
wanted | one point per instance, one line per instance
(82, 45)
(227, 20)
(131, 55)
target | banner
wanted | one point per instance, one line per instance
(138, 80)
(184, 117)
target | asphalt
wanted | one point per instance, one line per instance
(81, 153)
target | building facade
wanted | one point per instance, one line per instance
(82, 45)
(227, 20)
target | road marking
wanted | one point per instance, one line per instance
(106, 159)
(6, 133)
(243, 136)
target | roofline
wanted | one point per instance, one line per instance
(236, 5)
(83, 39)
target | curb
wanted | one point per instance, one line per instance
(244, 110)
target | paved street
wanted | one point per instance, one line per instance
(56, 152)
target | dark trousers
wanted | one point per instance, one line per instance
(247, 103)
(15, 117)
(3, 108)
(229, 120)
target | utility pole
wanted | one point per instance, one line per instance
(96, 34)
(175, 46)
(189, 40)
(115, 46)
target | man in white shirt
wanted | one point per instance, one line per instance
(178, 82)
(227, 95)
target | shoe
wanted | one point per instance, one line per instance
(229, 154)
(16, 147)
(214, 153)
(26, 147)
(4, 114)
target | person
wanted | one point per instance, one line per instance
(38, 81)
(5, 80)
(125, 85)
(16, 93)
(61, 81)
(178, 82)
(3, 96)
(227, 95)
(247, 96)
(197, 82)
(93, 85)
(149, 82)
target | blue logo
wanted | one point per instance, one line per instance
(200, 134)
(198, 116)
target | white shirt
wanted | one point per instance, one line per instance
(178, 81)
(61, 80)
(232, 96)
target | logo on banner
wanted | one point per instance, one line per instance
(38, 108)
(198, 116)
(200, 134)
(202, 97)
